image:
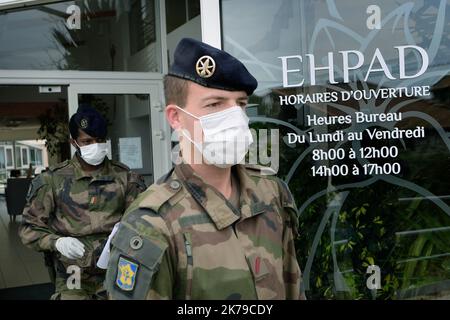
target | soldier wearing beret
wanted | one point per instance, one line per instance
(72, 208)
(211, 228)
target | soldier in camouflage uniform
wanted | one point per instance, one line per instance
(209, 230)
(72, 208)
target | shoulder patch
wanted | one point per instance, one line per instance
(126, 274)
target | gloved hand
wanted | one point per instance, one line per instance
(70, 247)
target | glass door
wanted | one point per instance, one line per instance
(137, 132)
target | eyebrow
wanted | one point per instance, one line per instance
(222, 98)
(213, 98)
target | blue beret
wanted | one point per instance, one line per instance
(89, 120)
(210, 67)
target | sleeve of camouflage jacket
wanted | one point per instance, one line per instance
(136, 185)
(153, 263)
(292, 273)
(34, 230)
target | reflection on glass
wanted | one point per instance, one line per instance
(25, 157)
(142, 25)
(112, 36)
(9, 157)
(398, 221)
(2, 158)
(18, 157)
(179, 12)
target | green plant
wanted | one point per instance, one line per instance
(54, 128)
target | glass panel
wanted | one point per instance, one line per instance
(142, 25)
(39, 157)
(193, 8)
(3, 172)
(9, 157)
(32, 156)
(2, 158)
(25, 157)
(129, 129)
(30, 118)
(182, 20)
(18, 157)
(175, 14)
(46, 37)
(359, 95)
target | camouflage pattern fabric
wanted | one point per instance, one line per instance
(181, 239)
(67, 201)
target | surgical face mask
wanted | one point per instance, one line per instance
(93, 154)
(226, 136)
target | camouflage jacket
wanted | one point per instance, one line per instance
(181, 239)
(67, 201)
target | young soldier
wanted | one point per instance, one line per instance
(72, 208)
(211, 228)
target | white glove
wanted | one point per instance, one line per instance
(70, 247)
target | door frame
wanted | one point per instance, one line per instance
(211, 22)
(159, 128)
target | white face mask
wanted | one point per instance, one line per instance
(94, 154)
(227, 136)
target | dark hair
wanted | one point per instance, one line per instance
(175, 90)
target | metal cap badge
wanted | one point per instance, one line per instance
(84, 123)
(205, 66)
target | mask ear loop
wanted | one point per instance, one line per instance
(187, 112)
(196, 144)
(79, 148)
(182, 130)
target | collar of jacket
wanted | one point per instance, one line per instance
(103, 175)
(214, 203)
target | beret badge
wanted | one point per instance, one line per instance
(84, 123)
(205, 66)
